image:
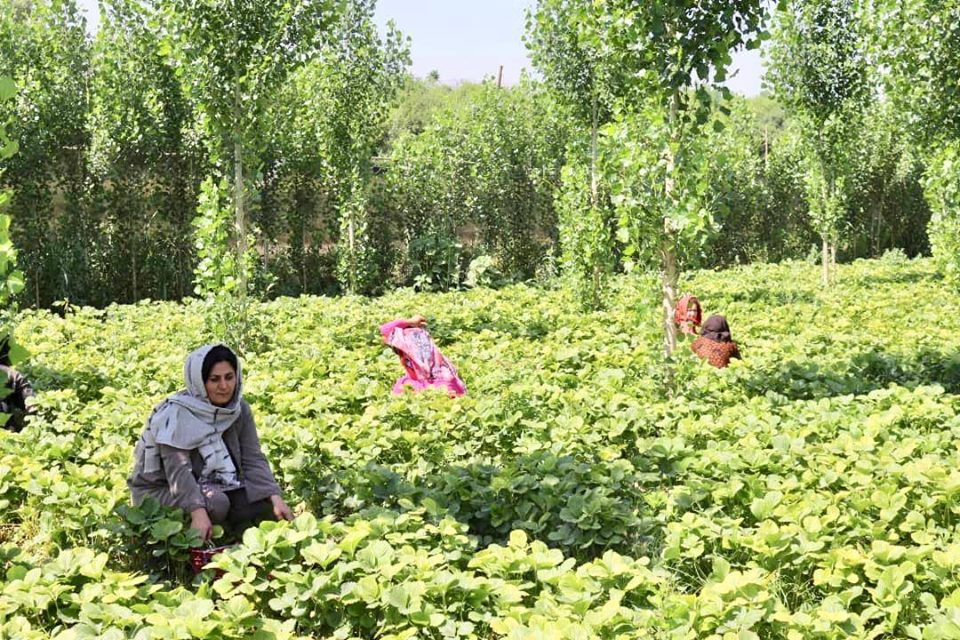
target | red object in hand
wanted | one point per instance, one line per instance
(688, 314)
(200, 557)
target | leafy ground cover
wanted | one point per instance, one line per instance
(810, 491)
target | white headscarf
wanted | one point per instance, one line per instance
(188, 420)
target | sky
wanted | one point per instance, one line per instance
(469, 40)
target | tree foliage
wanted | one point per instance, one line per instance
(919, 42)
(11, 280)
(482, 175)
(146, 155)
(653, 64)
(942, 185)
(232, 58)
(758, 171)
(369, 72)
(359, 178)
(44, 48)
(820, 71)
(221, 272)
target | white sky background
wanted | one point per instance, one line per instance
(469, 40)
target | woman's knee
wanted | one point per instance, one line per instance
(242, 511)
(218, 505)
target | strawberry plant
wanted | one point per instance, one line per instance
(807, 491)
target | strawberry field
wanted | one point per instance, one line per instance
(811, 490)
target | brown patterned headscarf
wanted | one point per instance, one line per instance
(716, 328)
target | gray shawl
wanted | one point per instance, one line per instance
(188, 420)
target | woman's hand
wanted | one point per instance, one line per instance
(280, 508)
(418, 321)
(200, 520)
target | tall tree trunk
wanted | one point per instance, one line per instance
(241, 222)
(594, 179)
(669, 275)
(878, 242)
(133, 271)
(597, 268)
(766, 149)
(825, 262)
(303, 253)
(351, 243)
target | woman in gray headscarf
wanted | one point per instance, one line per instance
(200, 451)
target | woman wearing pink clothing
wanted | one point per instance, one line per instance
(424, 364)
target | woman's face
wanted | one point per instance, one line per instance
(221, 384)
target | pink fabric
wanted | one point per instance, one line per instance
(387, 328)
(422, 360)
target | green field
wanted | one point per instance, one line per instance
(811, 490)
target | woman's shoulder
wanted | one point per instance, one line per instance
(244, 421)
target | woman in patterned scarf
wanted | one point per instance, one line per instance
(714, 344)
(200, 451)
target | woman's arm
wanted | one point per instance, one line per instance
(257, 475)
(402, 323)
(184, 488)
(22, 386)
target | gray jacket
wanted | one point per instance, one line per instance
(14, 402)
(177, 485)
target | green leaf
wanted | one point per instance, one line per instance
(762, 508)
(8, 89)
(165, 528)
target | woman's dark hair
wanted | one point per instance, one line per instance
(5, 351)
(716, 328)
(218, 354)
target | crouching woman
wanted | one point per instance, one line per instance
(200, 451)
